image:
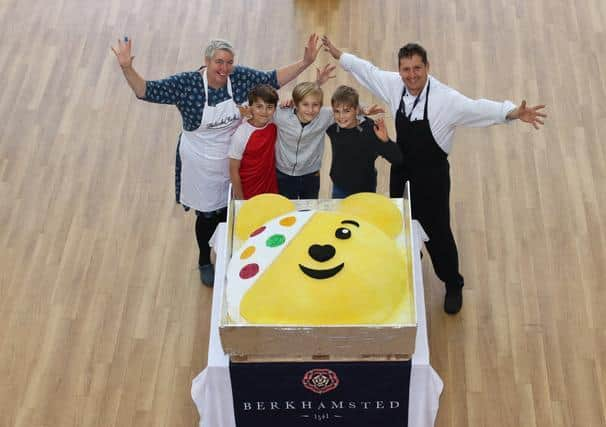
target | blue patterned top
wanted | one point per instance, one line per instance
(186, 91)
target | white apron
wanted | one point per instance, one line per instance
(203, 152)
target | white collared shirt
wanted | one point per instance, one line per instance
(447, 108)
(409, 103)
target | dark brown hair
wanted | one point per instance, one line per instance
(265, 92)
(411, 49)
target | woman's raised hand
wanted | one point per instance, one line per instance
(123, 52)
(311, 49)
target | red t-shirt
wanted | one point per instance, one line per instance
(255, 148)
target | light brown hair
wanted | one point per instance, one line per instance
(345, 95)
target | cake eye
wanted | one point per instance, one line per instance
(343, 233)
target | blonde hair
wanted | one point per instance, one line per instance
(301, 90)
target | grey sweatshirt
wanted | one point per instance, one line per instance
(299, 149)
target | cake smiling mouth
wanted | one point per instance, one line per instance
(321, 274)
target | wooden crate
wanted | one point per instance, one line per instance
(253, 342)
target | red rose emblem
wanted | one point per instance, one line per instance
(320, 380)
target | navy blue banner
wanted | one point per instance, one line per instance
(352, 394)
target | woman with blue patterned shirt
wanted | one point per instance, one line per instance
(208, 102)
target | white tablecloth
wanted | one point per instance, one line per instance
(211, 389)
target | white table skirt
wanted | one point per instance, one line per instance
(211, 389)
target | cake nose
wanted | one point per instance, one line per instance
(321, 253)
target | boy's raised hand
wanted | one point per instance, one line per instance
(287, 103)
(381, 130)
(372, 110)
(324, 74)
(245, 111)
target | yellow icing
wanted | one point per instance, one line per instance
(248, 252)
(258, 210)
(376, 209)
(371, 288)
(288, 221)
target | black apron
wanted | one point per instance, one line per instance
(426, 166)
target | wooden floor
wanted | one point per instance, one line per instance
(103, 319)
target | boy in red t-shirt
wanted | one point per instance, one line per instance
(252, 158)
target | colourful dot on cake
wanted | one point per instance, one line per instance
(275, 240)
(288, 221)
(247, 253)
(249, 270)
(257, 231)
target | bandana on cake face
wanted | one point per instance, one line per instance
(257, 254)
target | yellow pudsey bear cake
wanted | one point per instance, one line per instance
(341, 267)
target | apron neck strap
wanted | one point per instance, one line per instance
(426, 99)
(205, 80)
(401, 106)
